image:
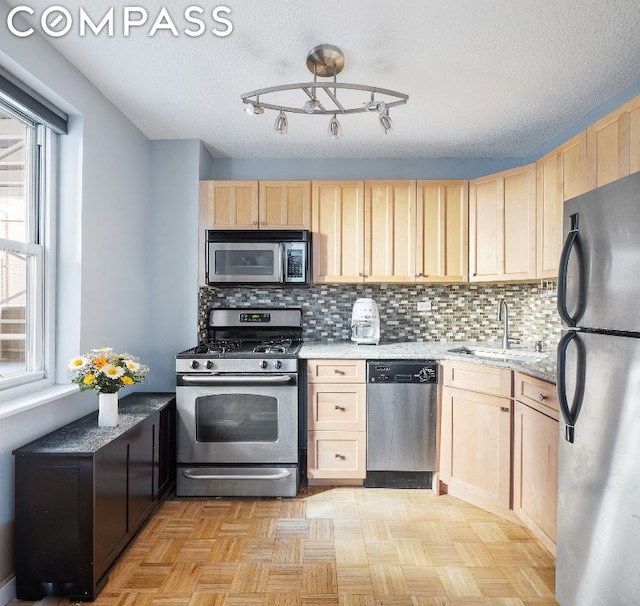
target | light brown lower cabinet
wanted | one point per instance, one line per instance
(336, 421)
(535, 457)
(475, 447)
(499, 444)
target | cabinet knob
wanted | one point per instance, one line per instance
(341, 457)
(542, 397)
(338, 407)
(254, 223)
(504, 409)
(337, 371)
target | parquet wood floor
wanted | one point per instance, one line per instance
(331, 547)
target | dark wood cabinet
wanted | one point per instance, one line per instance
(82, 493)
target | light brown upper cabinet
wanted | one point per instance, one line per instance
(389, 231)
(561, 175)
(364, 231)
(613, 145)
(442, 240)
(284, 205)
(338, 231)
(229, 204)
(256, 204)
(502, 226)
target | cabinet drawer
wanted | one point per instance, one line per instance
(480, 378)
(337, 454)
(337, 407)
(538, 394)
(336, 371)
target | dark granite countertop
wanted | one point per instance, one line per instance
(84, 437)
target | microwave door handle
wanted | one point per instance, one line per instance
(280, 264)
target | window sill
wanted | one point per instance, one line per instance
(33, 400)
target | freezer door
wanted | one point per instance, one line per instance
(598, 285)
(598, 554)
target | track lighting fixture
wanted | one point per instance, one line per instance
(281, 125)
(321, 98)
(335, 130)
(386, 123)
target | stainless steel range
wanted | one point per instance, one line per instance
(237, 399)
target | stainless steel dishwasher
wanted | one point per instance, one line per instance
(401, 423)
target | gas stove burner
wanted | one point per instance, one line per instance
(221, 346)
(273, 346)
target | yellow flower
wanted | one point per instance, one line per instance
(89, 379)
(127, 380)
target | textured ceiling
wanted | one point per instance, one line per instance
(485, 78)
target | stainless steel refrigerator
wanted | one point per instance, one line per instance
(598, 549)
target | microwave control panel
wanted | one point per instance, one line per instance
(295, 262)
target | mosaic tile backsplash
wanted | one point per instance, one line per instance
(465, 312)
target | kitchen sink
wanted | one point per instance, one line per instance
(499, 354)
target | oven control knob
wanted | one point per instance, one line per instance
(263, 364)
(278, 364)
(194, 364)
(209, 365)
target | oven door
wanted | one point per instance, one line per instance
(237, 418)
(244, 262)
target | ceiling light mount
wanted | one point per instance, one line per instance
(324, 98)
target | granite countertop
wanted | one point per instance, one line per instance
(544, 369)
(84, 437)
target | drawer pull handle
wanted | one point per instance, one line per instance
(337, 371)
(504, 409)
(338, 407)
(542, 397)
(341, 457)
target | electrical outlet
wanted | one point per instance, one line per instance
(424, 305)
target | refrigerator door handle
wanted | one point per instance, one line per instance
(563, 268)
(570, 415)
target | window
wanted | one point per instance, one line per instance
(27, 146)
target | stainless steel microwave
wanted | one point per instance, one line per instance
(240, 257)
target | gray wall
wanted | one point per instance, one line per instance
(103, 224)
(177, 168)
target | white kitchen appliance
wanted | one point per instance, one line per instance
(365, 322)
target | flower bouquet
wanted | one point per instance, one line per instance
(106, 372)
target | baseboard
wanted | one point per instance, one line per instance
(7, 590)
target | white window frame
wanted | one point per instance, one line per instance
(40, 250)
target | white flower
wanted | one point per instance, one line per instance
(78, 363)
(113, 372)
(131, 365)
(103, 350)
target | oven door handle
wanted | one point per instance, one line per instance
(235, 379)
(208, 476)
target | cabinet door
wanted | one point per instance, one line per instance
(475, 449)
(613, 145)
(338, 226)
(229, 204)
(285, 204)
(337, 455)
(561, 174)
(389, 231)
(442, 243)
(141, 470)
(110, 526)
(336, 406)
(336, 371)
(502, 217)
(535, 471)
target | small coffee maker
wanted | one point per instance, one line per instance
(365, 322)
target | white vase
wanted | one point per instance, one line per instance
(107, 409)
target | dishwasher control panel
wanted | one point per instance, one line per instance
(402, 371)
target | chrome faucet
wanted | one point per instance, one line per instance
(503, 314)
